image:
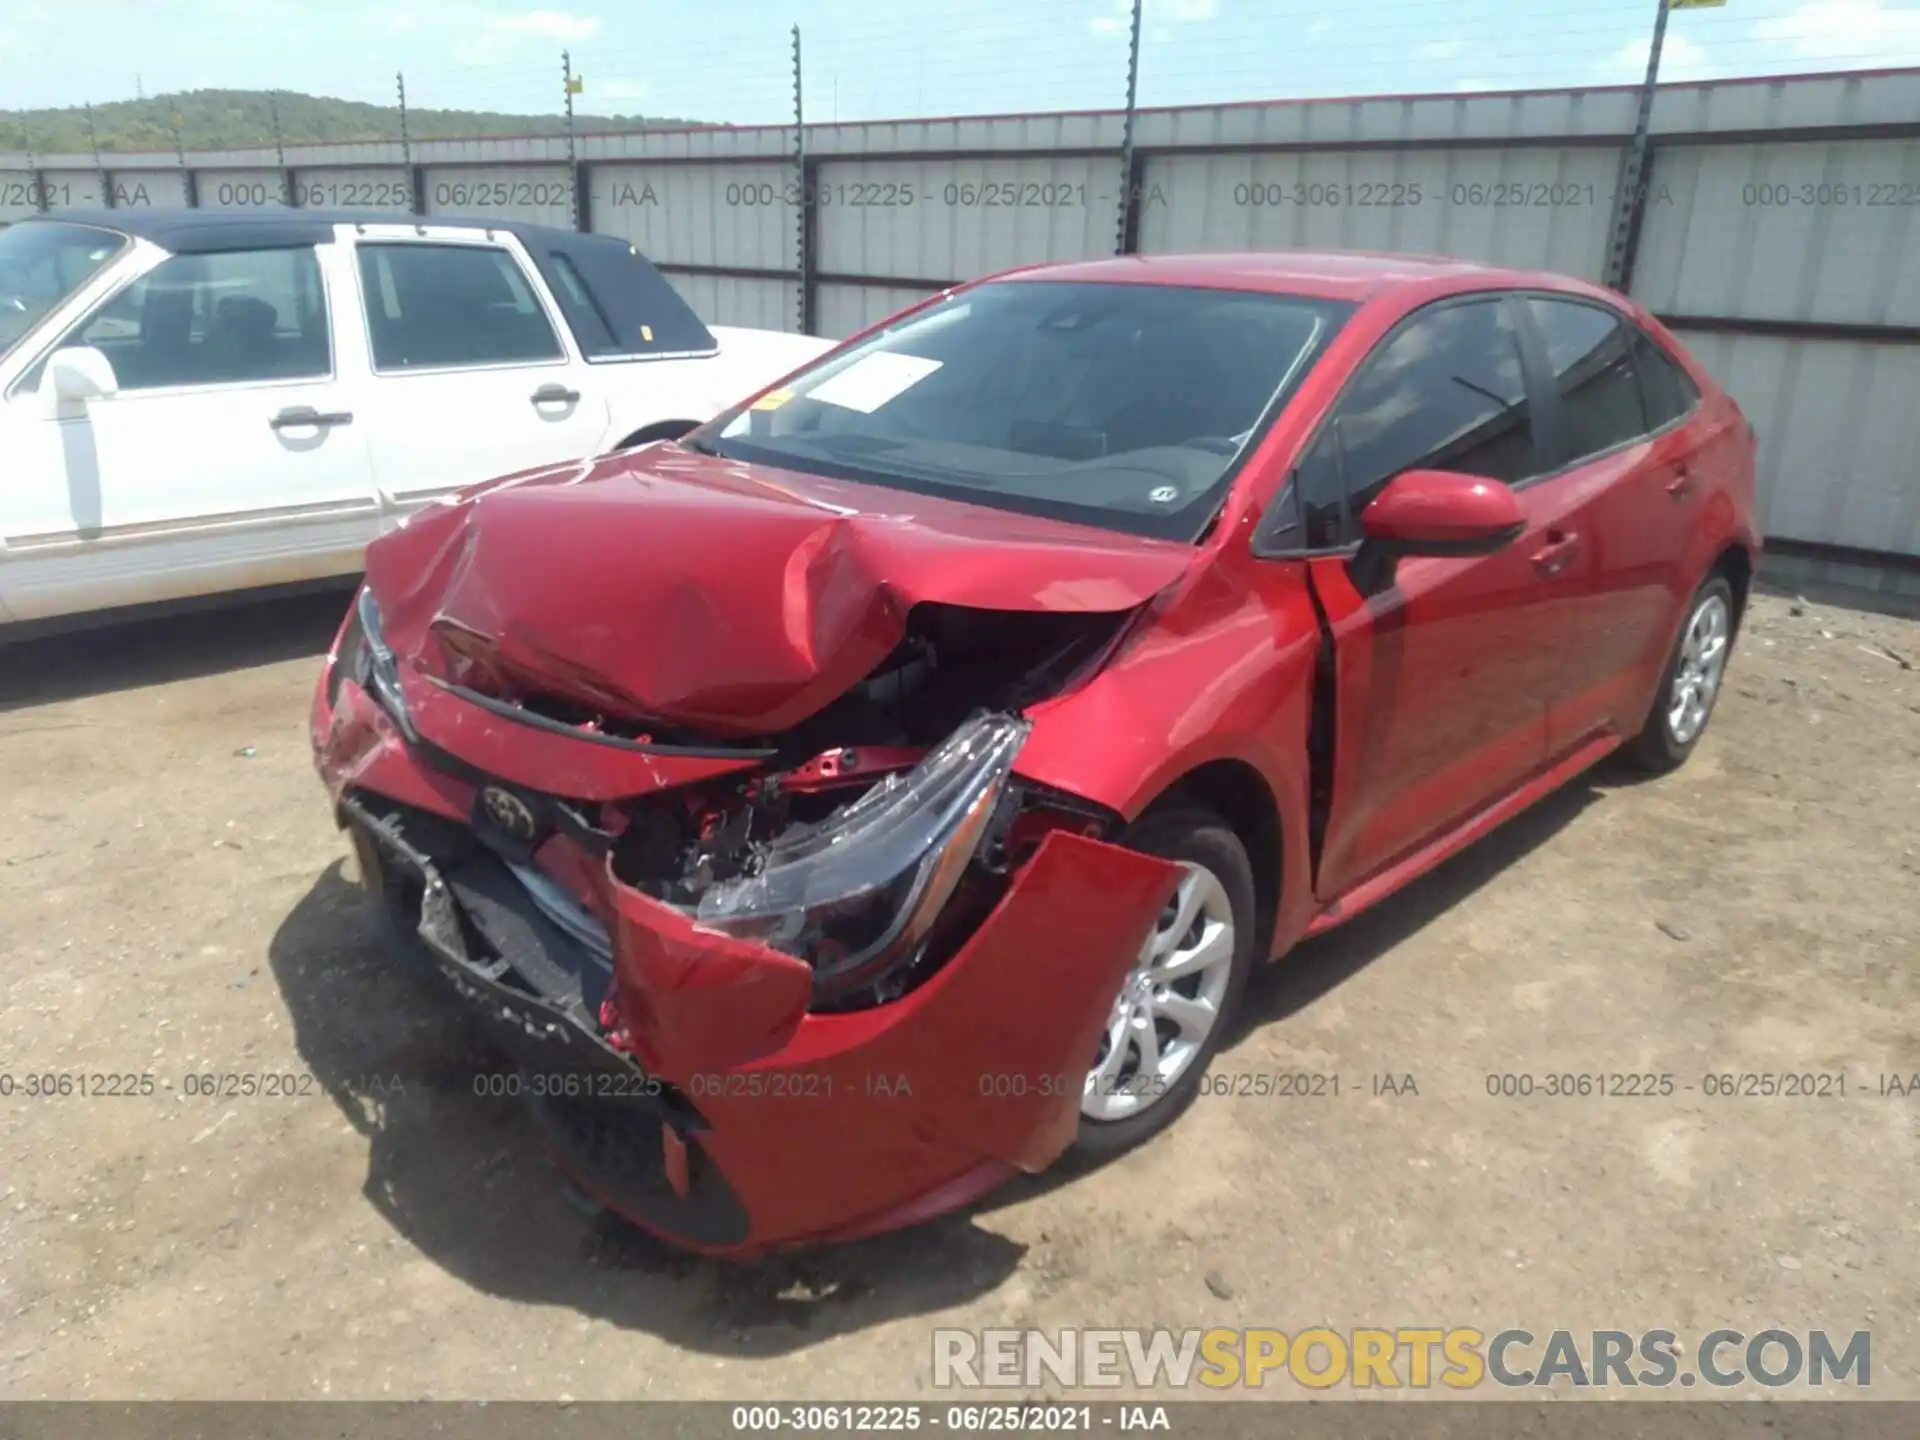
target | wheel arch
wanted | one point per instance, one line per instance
(1736, 562)
(1239, 794)
(657, 430)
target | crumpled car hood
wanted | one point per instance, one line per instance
(729, 598)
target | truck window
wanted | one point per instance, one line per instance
(440, 307)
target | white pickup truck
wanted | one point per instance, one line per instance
(194, 402)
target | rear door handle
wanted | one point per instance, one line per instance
(554, 395)
(1552, 558)
(1682, 483)
(298, 415)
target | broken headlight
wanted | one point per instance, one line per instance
(858, 892)
(366, 656)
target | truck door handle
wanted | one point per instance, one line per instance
(551, 394)
(1552, 558)
(1682, 483)
(298, 415)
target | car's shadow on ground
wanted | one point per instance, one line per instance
(157, 649)
(462, 1176)
(1315, 967)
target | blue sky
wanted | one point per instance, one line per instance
(728, 60)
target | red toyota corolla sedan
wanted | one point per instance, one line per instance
(892, 784)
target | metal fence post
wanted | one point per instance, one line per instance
(99, 167)
(1629, 196)
(576, 201)
(37, 183)
(289, 196)
(1129, 238)
(189, 182)
(807, 216)
(416, 202)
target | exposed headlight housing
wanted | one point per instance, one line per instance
(366, 656)
(857, 893)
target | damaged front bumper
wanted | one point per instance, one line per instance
(724, 1109)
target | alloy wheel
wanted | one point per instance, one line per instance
(1168, 1004)
(1696, 679)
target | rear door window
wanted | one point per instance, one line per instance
(1590, 352)
(1667, 390)
(440, 307)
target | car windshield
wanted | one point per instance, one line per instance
(1125, 406)
(41, 264)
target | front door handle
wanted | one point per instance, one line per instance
(298, 415)
(1682, 483)
(551, 394)
(1552, 558)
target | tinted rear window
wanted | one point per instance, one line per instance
(618, 306)
(1669, 392)
(1590, 351)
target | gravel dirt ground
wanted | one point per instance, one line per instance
(174, 902)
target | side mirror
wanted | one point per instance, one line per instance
(79, 373)
(1436, 512)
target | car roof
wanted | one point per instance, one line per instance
(1356, 275)
(193, 231)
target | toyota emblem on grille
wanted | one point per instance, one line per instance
(509, 812)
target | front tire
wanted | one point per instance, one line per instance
(1690, 683)
(1174, 1008)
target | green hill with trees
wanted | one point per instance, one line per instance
(233, 119)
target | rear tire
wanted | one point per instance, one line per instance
(1690, 684)
(1177, 1004)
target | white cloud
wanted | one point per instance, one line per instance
(1443, 49)
(1117, 19)
(547, 24)
(1473, 83)
(1320, 27)
(1859, 32)
(18, 32)
(617, 90)
(1680, 59)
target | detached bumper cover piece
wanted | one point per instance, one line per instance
(781, 1125)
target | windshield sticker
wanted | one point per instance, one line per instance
(772, 400)
(870, 383)
(646, 333)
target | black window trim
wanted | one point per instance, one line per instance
(1262, 550)
(565, 342)
(1550, 401)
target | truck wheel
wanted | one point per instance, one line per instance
(664, 430)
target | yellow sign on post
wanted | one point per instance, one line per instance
(577, 85)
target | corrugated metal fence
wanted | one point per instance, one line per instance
(1777, 227)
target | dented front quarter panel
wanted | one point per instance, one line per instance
(981, 1066)
(1219, 669)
